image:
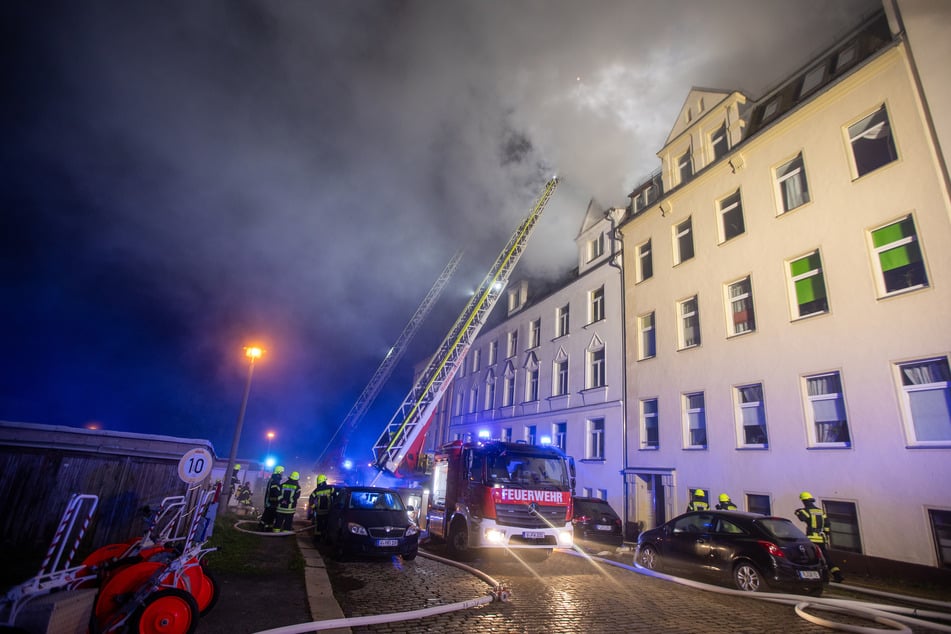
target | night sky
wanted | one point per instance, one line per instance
(181, 179)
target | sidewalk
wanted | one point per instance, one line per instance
(320, 594)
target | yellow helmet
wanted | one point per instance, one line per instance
(805, 495)
(698, 493)
(294, 475)
(236, 467)
(724, 497)
(278, 469)
(321, 479)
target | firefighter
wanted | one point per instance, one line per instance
(725, 503)
(272, 495)
(287, 504)
(818, 530)
(698, 502)
(235, 481)
(319, 506)
(244, 496)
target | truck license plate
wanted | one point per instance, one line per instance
(533, 535)
(808, 574)
(383, 543)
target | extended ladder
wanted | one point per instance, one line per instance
(413, 416)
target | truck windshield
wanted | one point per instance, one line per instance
(527, 471)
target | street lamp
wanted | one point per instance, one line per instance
(253, 353)
(270, 437)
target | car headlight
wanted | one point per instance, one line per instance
(356, 529)
(411, 530)
(566, 538)
(494, 536)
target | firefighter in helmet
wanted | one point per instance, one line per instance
(272, 495)
(319, 506)
(725, 503)
(287, 504)
(818, 530)
(698, 502)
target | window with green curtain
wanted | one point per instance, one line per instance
(899, 255)
(809, 283)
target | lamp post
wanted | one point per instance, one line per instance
(253, 353)
(270, 437)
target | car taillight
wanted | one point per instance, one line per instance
(819, 554)
(771, 548)
(579, 518)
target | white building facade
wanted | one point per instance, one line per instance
(787, 288)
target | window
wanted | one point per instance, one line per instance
(898, 257)
(508, 385)
(941, 528)
(650, 437)
(926, 399)
(596, 374)
(531, 384)
(534, 333)
(493, 352)
(596, 247)
(740, 300)
(531, 434)
(473, 398)
(476, 360)
(812, 79)
(695, 420)
(560, 387)
(559, 432)
(489, 401)
(561, 321)
(872, 143)
(845, 57)
(689, 323)
(826, 409)
(506, 434)
(791, 181)
(595, 448)
(457, 407)
(512, 349)
(646, 337)
(683, 241)
(770, 109)
(758, 503)
(596, 298)
(808, 286)
(751, 414)
(844, 526)
(731, 217)
(644, 266)
(685, 167)
(718, 143)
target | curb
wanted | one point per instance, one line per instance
(320, 595)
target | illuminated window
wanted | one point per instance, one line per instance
(534, 333)
(650, 436)
(695, 420)
(926, 400)
(751, 415)
(561, 321)
(596, 299)
(844, 524)
(731, 217)
(646, 337)
(791, 183)
(898, 257)
(595, 448)
(807, 286)
(683, 241)
(825, 410)
(689, 330)
(872, 143)
(644, 264)
(740, 301)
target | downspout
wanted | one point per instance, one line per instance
(615, 215)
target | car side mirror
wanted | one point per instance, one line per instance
(410, 509)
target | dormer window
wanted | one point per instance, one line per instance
(771, 107)
(812, 79)
(845, 57)
(596, 248)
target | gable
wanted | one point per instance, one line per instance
(699, 101)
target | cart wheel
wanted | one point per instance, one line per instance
(207, 594)
(168, 611)
(120, 587)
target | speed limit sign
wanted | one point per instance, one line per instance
(195, 465)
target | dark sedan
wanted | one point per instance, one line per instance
(595, 520)
(750, 551)
(370, 521)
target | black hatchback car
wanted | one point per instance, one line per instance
(370, 521)
(595, 520)
(750, 551)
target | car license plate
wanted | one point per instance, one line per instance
(383, 543)
(533, 535)
(602, 527)
(808, 574)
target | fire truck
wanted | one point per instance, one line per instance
(501, 495)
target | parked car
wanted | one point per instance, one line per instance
(750, 551)
(371, 521)
(595, 520)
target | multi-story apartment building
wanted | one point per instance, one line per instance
(548, 368)
(787, 288)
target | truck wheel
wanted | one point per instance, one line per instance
(458, 542)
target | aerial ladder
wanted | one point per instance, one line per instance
(404, 434)
(385, 369)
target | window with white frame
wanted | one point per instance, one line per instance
(531, 378)
(731, 217)
(457, 407)
(695, 420)
(531, 434)
(506, 434)
(683, 241)
(493, 352)
(534, 333)
(650, 431)
(560, 376)
(689, 318)
(595, 448)
(898, 257)
(596, 370)
(740, 317)
(926, 399)
(489, 401)
(596, 302)
(751, 415)
(646, 337)
(644, 264)
(473, 399)
(596, 247)
(561, 321)
(512, 344)
(508, 385)
(791, 185)
(684, 167)
(476, 360)
(844, 525)
(719, 143)
(807, 286)
(825, 410)
(872, 143)
(559, 432)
